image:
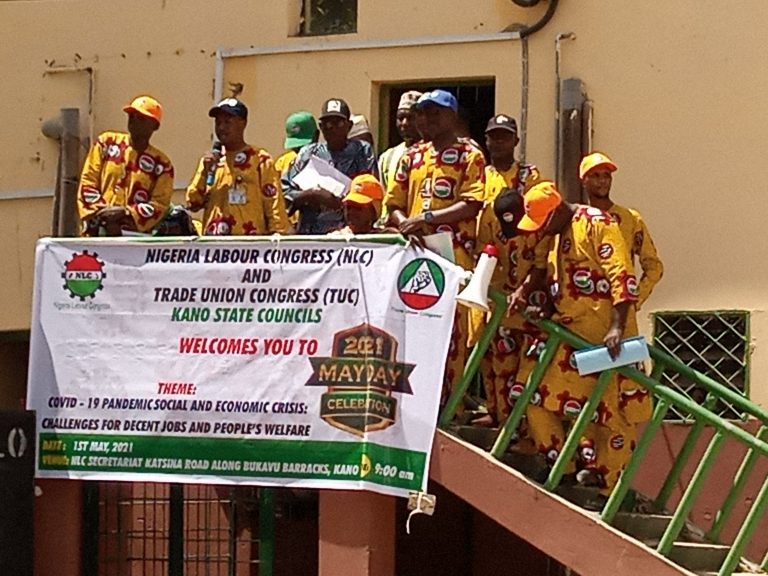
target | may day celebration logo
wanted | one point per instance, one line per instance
(83, 275)
(361, 374)
(421, 284)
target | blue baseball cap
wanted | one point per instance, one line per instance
(440, 98)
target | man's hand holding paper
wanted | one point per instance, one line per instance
(318, 174)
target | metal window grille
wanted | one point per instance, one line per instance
(136, 530)
(325, 17)
(715, 344)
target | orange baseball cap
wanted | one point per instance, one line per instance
(146, 106)
(540, 201)
(366, 189)
(591, 161)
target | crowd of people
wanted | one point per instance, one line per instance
(573, 262)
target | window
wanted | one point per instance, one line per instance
(713, 343)
(324, 17)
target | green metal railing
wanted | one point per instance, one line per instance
(665, 397)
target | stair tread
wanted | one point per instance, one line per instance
(632, 515)
(706, 545)
(684, 545)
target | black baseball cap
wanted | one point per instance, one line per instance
(231, 106)
(509, 208)
(335, 107)
(502, 122)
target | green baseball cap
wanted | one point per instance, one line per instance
(300, 129)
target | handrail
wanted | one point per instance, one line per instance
(663, 391)
(665, 397)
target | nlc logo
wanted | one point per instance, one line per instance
(83, 275)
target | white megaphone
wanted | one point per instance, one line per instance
(475, 295)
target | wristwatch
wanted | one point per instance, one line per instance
(429, 216)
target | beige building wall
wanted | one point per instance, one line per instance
(678, 90)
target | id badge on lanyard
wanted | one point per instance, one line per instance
(237, 192)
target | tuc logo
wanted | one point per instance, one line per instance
(83, 275)
(361, 374)
(421, 283)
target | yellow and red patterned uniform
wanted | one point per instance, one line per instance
(593, 273)
(285, 161)
(636, 401)
(430, 180)
(115, 174)
(245, 197)
(641, 246)
(516, 256)
(427, 179)
(282, 165)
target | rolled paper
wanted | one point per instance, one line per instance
(597, 359)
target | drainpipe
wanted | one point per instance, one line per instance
(558, 100)
(66, 130)
(524, 32)
(551, 9)
(524, 101)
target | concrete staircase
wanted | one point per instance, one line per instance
(558, 524)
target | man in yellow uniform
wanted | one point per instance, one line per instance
(505, 182)
(406, 128)
(240, 190)
(439, 186)
(596, 173)
(126, 183)
(596, 288)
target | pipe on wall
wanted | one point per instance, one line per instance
(525, 73)
(548, 15)
(65, 129)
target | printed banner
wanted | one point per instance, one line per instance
(305, 363)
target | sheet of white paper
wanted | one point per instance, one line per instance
(441, 243)
(320, 174)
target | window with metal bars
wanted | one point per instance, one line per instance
(131, 529)
(713, 343)
(325, 17)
